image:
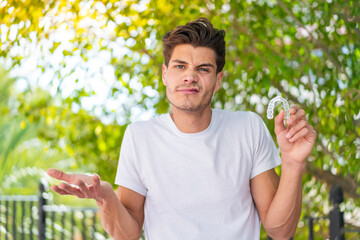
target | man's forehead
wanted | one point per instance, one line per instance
(193, 55)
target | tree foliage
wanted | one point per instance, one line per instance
(19, 148)
(306, 51)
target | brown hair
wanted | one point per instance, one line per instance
(198, 33)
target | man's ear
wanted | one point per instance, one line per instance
(164, 69)
(219, 77)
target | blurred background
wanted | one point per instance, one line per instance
(74, 74)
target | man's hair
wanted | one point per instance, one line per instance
(198, 33)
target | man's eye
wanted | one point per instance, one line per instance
(203, 70)
(180, 66)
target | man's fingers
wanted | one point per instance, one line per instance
(296, 128)
(59, 190)
(294, 109)
(80, 185)
(96, 185)
(72, 190)
(297, 114)
(60, 175)
(302, 133)
(279, 122)
(312, 134)
(84, 188)
(69, 178)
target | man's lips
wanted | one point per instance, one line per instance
(188, 90)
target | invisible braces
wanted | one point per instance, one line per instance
(271, 106)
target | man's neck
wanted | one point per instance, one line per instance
(191, 122)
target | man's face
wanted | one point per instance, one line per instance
(191, 78)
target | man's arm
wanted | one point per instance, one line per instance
(122, 214)
(278, 201)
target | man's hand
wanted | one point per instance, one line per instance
(121, 218)
(80, 185)
(297, 139)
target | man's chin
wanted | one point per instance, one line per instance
(185, 107)
(190, 108)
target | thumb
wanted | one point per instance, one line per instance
(279, 122)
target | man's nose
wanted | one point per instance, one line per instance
(190, 76)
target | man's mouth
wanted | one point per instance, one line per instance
(188, 90)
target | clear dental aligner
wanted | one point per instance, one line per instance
(271, 106)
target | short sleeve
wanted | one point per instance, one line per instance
(128, 174)
(265, 153)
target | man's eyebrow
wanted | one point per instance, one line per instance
(179, 61)
(198, 66)
(206, 65)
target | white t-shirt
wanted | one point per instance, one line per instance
(197, 185)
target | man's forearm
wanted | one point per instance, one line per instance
(284, 211)
(116, 219)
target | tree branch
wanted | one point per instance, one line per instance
(320, 44)
(347, 183)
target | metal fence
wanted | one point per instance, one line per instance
(18, 217)
(30, 217)
(337, 228)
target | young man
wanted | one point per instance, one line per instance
(201, 173)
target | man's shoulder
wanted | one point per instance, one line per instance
(147, 124)
(229, 115)
(239, 121)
